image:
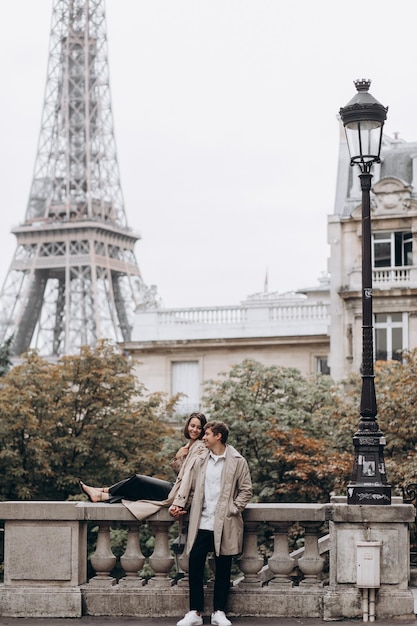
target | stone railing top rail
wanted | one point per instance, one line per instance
(268, 512)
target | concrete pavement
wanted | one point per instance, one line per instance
(168, 621)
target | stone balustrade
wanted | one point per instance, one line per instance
(203, 315)
(45, 562)
(391, 277)
(384, 278)
(267, 319)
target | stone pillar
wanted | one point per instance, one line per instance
(350, 524)
(45, 559)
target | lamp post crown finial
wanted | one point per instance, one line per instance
(362, 84)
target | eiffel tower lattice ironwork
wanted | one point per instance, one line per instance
(74, 276)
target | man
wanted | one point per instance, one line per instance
(219, 487)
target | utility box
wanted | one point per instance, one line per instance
(368, 557)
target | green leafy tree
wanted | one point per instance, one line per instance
(85, 416)
(337, 421)
(275, 415)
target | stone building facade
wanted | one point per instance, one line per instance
(316, 329)
(394, 269)
(177, 350)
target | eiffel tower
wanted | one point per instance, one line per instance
(74, 277)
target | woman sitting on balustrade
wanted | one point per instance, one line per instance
(140, 487)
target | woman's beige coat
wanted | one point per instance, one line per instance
(235, 493)
(142, 509)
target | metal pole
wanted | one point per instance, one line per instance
(368, 408)
(368, 484)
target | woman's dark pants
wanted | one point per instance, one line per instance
(139, 487)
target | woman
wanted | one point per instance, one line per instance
(139, 487)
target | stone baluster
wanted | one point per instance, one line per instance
(281, 563)
(161, 559)
(250, 562)
(132, 560)
(183, 562)
(311, 563)
(103, 559)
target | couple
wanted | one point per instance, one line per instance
(139, 487)
(214, 485)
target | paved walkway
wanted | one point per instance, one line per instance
(167, 621)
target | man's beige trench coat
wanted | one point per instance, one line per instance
(235, 493)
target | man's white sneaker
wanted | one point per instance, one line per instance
(218, 618)
(192, 618)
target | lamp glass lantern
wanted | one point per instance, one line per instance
(363, 118)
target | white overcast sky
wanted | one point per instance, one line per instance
(225, 115)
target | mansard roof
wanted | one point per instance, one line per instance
(398, 161)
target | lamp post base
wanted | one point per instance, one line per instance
(369, 493)
(368, 483)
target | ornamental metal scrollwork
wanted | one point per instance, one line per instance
(410, 493)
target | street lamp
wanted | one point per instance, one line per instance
(363, 118)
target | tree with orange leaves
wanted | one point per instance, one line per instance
(277, 420)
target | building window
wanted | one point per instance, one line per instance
(392, 249)
(391, 336)
(185, 379)
(322, 365)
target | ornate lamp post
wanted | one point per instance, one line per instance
(363, 118)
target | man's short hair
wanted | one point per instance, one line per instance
(217, 428)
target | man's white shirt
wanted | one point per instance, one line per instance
(212, 486)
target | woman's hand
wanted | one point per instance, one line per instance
(182, 452)
(176, 511)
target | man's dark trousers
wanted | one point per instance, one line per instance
(204, 544)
